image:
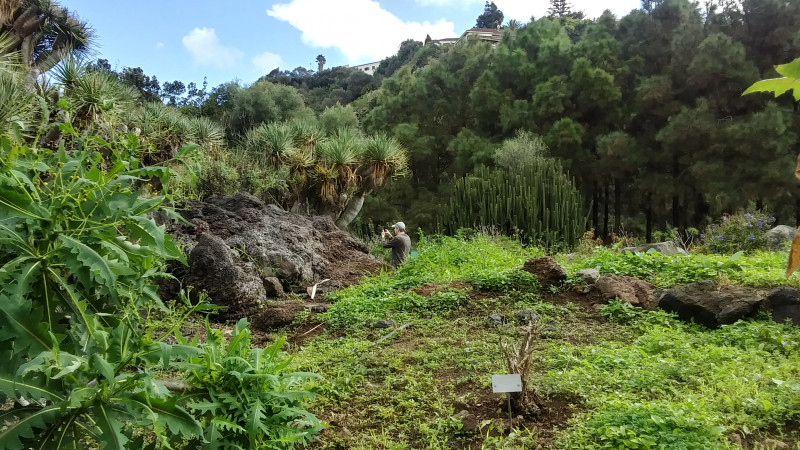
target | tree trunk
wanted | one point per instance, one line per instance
(605, 213)
(676, 211)
(617, 206)
(595, 209)
(350, 211)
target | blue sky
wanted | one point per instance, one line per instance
(188, 40)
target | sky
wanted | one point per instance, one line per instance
(188, 40)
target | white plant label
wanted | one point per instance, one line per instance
(506, 383)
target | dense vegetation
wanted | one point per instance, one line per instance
(645, 113)
(626, 378)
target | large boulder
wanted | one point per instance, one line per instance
(665, 248)
(710, 304)
(784, 302)
(780, 234)
(229, 281)
(547, 270)
(628, 289)
(239, 243)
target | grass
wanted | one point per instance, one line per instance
(617, 377)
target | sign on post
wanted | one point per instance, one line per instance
(505, 384)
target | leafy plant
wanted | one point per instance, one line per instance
(739, 232)
(78, 257)
(244, 397)
(618, 311)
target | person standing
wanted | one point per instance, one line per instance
(400, 244)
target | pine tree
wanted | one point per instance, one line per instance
(491, 17)
(559, 8)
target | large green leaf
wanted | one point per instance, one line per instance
(90, 259)
(790, 70)
(171, 416)
(111, 435)
(25, 423)
(148, 233)
(24, 324)
(29, 387)
(778, 86)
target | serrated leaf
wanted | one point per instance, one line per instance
(19, 321)
(111, 435)
(148, 233)
(103, 367)
(30, 387)
(789, 70)
(89, 258)
(23, 424)
(173, 417)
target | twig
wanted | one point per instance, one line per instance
(399, 329)
(309, 331)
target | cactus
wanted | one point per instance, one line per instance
(539, 201)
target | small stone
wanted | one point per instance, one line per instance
(776, 444)
(317, 308)
(736, 440)
(381, 324)
(273, 287)
(498, 319)
(526, 316)
(589, 276)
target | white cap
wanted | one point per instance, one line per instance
(400, 226)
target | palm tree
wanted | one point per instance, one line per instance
(513, 24)
(43, 32)
(320, 63)
(381, 159)
(17, 104)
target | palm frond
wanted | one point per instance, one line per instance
(274, 140)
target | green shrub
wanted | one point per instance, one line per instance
(514, 279)
(619, 311)
(739, 232)
(79, 258)
(648, 425)
(246, 398)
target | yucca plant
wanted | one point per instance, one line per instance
(306, 133)
(384, 157)
(325, 177)
(17, 104)
(342, 152)
(206, 133)
(99, 96)
(273, 140)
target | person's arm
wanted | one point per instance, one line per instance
(391, 243)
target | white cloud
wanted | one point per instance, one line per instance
(159, 45)
(523, 10)
(267, 61)
(361, 29)
(206, 49)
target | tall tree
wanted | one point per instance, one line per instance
(559, 8)
(43, 32)
(320, 63)
(491, 17)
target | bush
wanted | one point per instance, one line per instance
(649, 425)
(738, 232)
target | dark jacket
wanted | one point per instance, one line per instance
(401, 247)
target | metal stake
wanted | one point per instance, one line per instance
(510, 420)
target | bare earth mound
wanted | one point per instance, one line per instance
(242, 251)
